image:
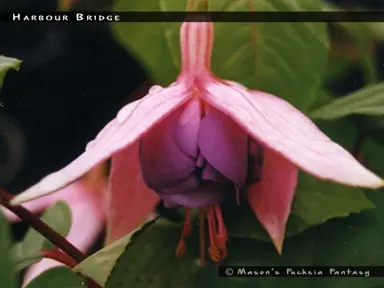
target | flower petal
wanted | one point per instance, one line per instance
(224, 144)
(271, 198)
(210, 173)
(189, 184)
(163, 163)
(35, 206)
(73, 192)
(187, 128)
(208, 193)
(130, 201)
(276, 124)
(86, 204)
(131, 123)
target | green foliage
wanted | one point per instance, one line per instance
(27, 252)
(374, 156)
(6, 64)
(149, 260)
(368, 100)
(22, 260)
(99, 265)
(285, 59)
(6, 266)
(59, 277)
(59, 218)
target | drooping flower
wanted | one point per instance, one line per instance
(202, 140)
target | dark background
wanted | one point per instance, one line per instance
(73, 80)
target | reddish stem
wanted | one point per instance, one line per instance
(67, 260)
(72, 255)
(59, 256)
(41, 227)
(92, 284)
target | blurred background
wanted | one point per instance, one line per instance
(75, 77)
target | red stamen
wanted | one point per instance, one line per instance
(213, 251)
(181, 246)
(222, 235)
(217, 234)
(211, 226)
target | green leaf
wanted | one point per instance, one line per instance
(359, 245)
(373, 30)
(265, 58)
(58, 217)
(99, 265)
(147, 41)
(315, 202)
(149, 260)
(7, 276)
(374, 156)
(270, 61)
(22, 260)
(323, 97)
(342, 131)
(7, 63)
(59, 277)
(368, 100)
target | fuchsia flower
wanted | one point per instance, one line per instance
(203, 140)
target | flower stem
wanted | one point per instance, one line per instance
(41, 227)
(59, 256)
(71, 255)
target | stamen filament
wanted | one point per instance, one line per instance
(222, 235)
(217, 232)
(181, 246)
(218, 235)
(211, 227)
